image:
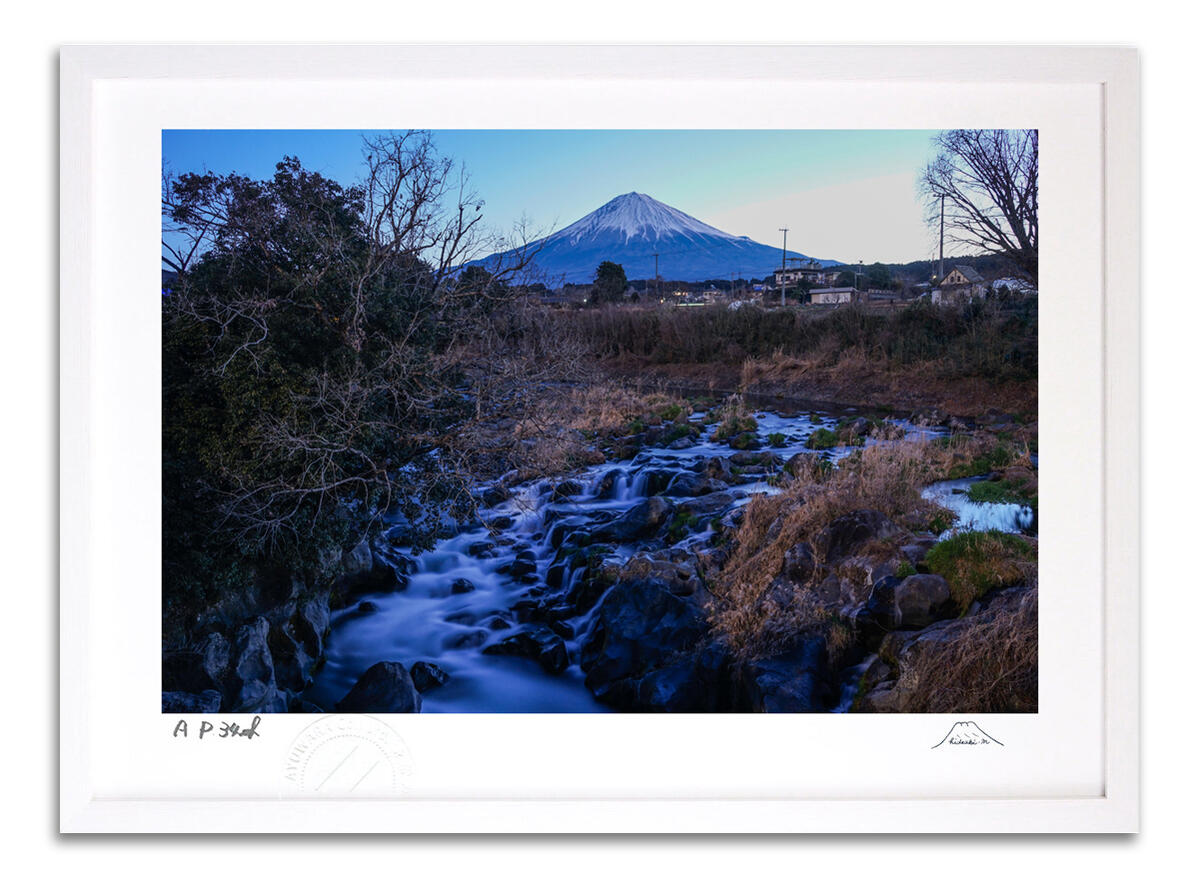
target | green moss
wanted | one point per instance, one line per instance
(941, 521)
(977, 562)
(821, 440)
(999, 457)
(776, 439)
(905, 569)
(815, 419)
(735, 425)
(743, 441)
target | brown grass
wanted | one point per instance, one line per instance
(990, 666)
(559, 429)
(759, 616)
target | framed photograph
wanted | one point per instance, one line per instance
(599, 439)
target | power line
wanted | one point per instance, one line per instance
(784, 274)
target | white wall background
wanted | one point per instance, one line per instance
(28, 515)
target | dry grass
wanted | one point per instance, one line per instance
(558, 430)
(989, 666)
(759, 616)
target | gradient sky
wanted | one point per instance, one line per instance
(846, 195)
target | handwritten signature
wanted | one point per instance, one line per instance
(967, 734)
(225, 730)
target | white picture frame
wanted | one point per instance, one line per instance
(122, 771)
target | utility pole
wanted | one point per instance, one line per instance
(941, 264)
(784, 274)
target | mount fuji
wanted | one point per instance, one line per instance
(631, 228)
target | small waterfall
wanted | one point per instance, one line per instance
(471, 590)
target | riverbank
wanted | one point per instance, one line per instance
(917, 389)
(707, 559)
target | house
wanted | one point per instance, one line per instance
(960, 283)
(962, 275)
(810, 273)
(1013, 285)
(833, 296)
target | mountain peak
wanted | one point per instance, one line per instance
(636, 215)
(646, 237)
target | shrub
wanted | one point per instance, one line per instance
(776, 439)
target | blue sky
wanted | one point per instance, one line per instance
(848, 195)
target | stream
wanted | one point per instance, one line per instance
(465, 594)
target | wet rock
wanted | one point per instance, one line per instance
(539, 643)
(687, 484)
(481, 549)
(310, 624)
(717, 468)
(386, 687)
(799, 563)
(922, 599)
(523, 564)
(502, 522)
(682, 444)
(462, 586)
(696, 682)
(208, 701)
(640, 627)
(358, 560)
(916, 552)
(848, 534)
(905, 651)
(657, 480)
(471, 640)
(605, 487)
(566, 490)
(712, 503)
(914, 602)
(426, 675)
(494, 495)
(251, 687)
(367, 607)
(859, 427)
(294, 665)
(745, 441)
(795, 682)
(641, 521)
(299, 705)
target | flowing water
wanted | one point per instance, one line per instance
(463, 595)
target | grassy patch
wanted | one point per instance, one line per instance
(975, 563)
(822, 440)
(758, 618)
(989, 460)
(905, 569)
(1003, 491)
(776, 439)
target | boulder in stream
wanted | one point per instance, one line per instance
(539, 643)
(386, 687)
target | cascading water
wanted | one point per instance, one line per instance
(465, 595)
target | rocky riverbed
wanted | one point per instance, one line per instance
(595, 591)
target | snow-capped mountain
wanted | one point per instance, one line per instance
(631, 228)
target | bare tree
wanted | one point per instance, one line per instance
(338, 325)
(988, 180)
